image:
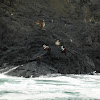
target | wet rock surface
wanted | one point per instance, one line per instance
(75, 23)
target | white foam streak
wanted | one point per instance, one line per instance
(10, 70)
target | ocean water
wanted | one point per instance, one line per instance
(50, 87)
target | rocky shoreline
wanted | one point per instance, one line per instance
(21, 41)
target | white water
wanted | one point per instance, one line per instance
(10, 70)
(54, 87)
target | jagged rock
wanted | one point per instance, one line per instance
(33, 69)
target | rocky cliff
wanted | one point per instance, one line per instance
(76, 23)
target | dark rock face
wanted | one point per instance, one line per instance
(76, 23)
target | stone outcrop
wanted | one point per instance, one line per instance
(74, 22)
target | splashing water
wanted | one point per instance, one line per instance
(51, 87)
